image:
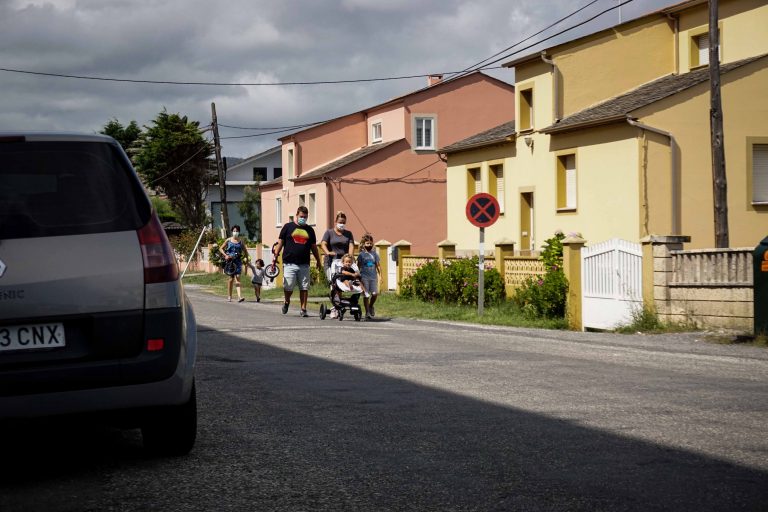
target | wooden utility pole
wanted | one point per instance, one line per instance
(220, 169)
(719, 183)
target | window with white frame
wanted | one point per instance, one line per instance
(700, 49)
(424, 132)
(760, 173)
(566, 182)
(279, 211)
(376, 132)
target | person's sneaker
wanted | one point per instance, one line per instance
(241, 299)
(229, 299)
(303, 313)
(368, 316)
(285, 307)
(258, 299)
(371, 311)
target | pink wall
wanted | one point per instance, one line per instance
(318, 146)
(395, 193)
(464, 107)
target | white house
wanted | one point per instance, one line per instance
(250, 171)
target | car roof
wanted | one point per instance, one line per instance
(45, 136)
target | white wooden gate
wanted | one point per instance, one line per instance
(390, 280)
(612, 284)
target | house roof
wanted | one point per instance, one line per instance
(495, 135)
(250, 159)
(344, 160)
(402, 97)
(617, 108)
(536, 55)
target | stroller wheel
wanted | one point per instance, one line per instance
(323, 311)
(358, 316)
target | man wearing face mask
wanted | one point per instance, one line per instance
(298, 239)
(337, 242)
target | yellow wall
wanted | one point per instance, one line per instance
(612, 62)
(607, 187)
(742, 25)
(745, 110)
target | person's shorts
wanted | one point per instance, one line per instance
(371, 284)
(295, 274)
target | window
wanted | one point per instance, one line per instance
(496, 184)
(760, 173)
(311, 208)
(700, 48)
(526, 109)
(425, 132)
(279, 211)
(566, 182)
(290, 164)
(376, 132)
(259, 173)
(302, 200)
(474, 183)
(278, 171)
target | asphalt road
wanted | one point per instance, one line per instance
(303, 414)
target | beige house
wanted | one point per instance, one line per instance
(612, 135)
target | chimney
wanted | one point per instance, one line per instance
(434, 79)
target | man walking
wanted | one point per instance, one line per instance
(298, 238)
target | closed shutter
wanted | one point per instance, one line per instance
(279, 211)
(500, 188)
(702, 42)
(570, 181)
(478, 181)
(760, 173)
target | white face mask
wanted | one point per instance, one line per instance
(340, 226)
(235, 234)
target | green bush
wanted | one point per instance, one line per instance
(455, 283)
(544, 296)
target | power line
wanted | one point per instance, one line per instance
(582, 23)
(270, 128)
(531, 36)
(219, 84)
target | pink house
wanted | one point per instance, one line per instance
(380, 165)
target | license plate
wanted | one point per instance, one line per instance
(31, 337)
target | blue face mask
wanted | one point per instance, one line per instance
(301, 221)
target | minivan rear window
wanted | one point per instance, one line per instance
(57, 188)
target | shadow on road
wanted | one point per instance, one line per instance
(283, 430)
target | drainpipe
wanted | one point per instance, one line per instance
(329, 217)
(673, 171)
(555, 88)
(676, 28)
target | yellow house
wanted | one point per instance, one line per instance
(612, 135)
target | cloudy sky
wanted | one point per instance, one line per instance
(253, 41)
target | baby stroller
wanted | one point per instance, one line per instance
(339, 302)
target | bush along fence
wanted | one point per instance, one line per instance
(513, 269)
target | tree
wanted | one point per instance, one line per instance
(172, 157)
(249, 209)
(125, 135)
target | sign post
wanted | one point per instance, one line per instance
(482, 211)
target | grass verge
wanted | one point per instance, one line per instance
(390, 304)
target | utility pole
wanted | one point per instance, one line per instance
(220, 169)
(719, 183)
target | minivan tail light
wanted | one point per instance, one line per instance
(159, 260)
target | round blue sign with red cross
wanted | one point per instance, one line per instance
(482, 210)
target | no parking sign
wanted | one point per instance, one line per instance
(482, 211)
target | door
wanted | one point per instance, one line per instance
(527, 239)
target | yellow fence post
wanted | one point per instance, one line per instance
(505, 248)
(572, 268)
(445, 249)
(403, 248)
(382, 248)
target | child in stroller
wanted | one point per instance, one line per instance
(345, 277)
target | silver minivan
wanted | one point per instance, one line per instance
(93, 316)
